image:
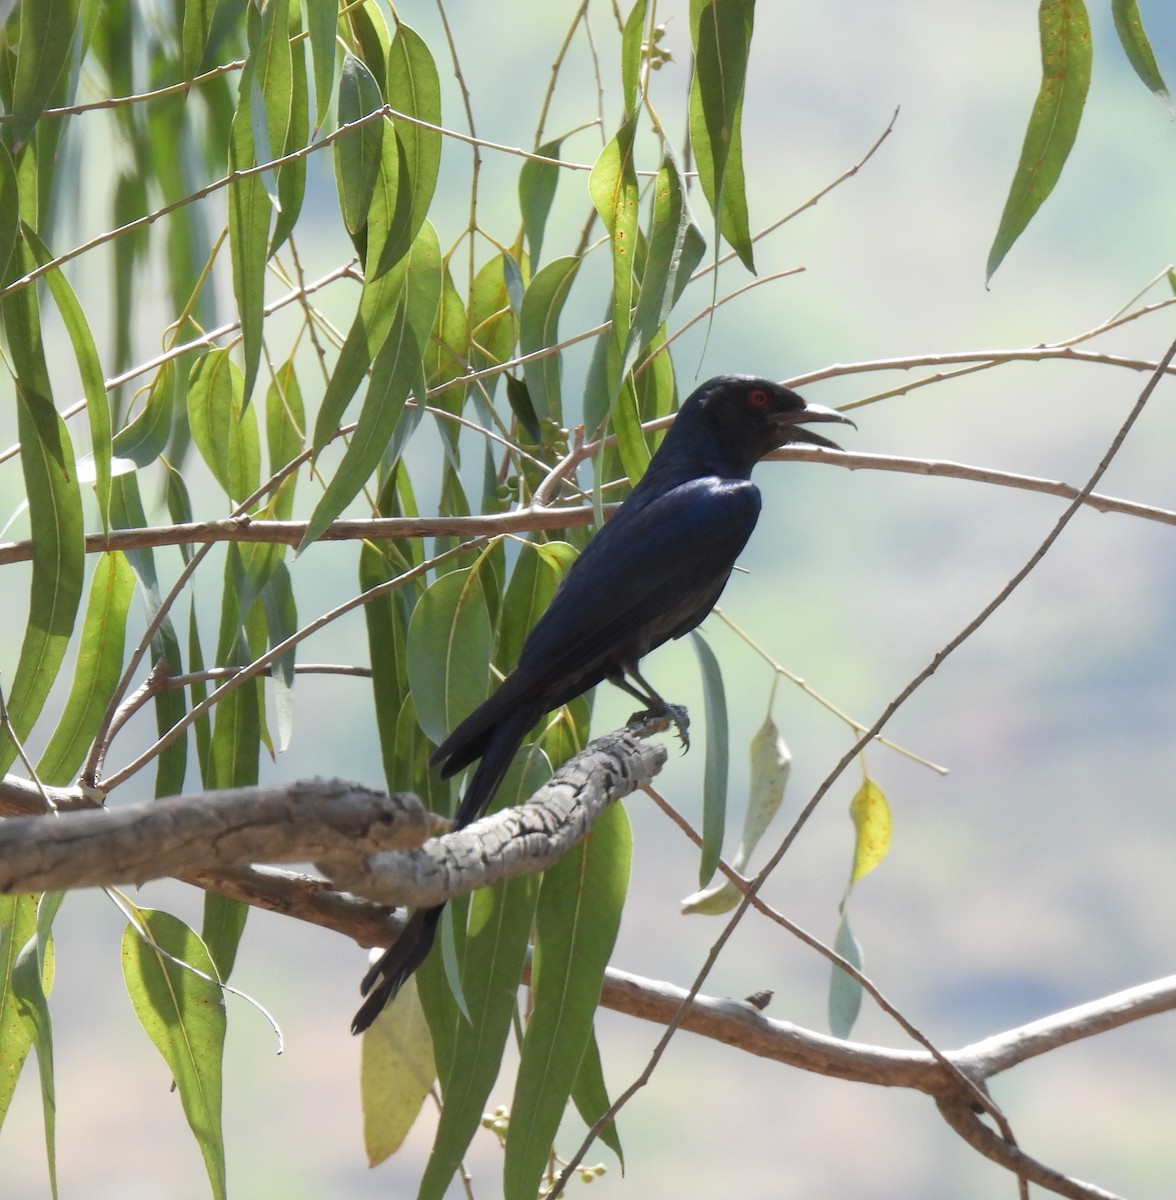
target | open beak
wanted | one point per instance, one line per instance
(790, 425)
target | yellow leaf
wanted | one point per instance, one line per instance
(396, 1073)
(871, 822)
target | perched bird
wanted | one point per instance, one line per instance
(652, 573)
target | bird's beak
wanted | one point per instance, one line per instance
(790, 425)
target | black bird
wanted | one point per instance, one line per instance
(652, 573)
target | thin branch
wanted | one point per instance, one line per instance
(201, 193)
(1044, 353)
(539, 517)
(944, 469)
(255, 668)
(969, 1126)
(780, 669)
(966, 1085)
(108, 102)
(347, 271)
(159, 681)
(811, 202)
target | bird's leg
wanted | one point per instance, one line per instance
(655, 706)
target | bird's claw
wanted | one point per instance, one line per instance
(654, 720)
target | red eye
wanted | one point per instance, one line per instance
(757, 398)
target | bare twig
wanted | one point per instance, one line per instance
(261, 663)
(539, 517)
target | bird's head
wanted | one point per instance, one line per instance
(750, 417)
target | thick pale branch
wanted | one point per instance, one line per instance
(1005, 1050)
(515, 841)
(217, 830)
(373, 844)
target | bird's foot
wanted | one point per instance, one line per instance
(654, 720)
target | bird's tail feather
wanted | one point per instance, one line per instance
(396, 964)
(503, 745)
(410, 949)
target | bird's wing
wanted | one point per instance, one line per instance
(651, 575)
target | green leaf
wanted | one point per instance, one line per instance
(613, 188)
(448, 347)
(271, 62)
(238, 728)
(99, 665)
(89, 369)
(1066, 53)
(413, 87)
(632, 39)
(771, 761)
(291, 176)
(55, 521)
(448, 649)
(197, 25)
(663, 261)
(714, 777)
(281, 618)
(872, 826)
(721, 30)
(9, 209)
(285, 433)
(46, 35)
(536, 575)
(32, 975)
(1129, 26)
(543, 302)
(492, 320)
(142, 440)
(396, 373)
(519, 398)
(386, 621)
(537, 184)
(418, 277)
(225, 432)
(693, 248)
(655, 387)
(126, 512)
(845, 993)
(18, 928)
(590, 1096)
(263, 111)
(183, 1013)
(579, 911)
(396, 1073)
(357, 154)
(322, 18)
(499, 927)
(626, 419)
(221, 931)
(387, 197)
